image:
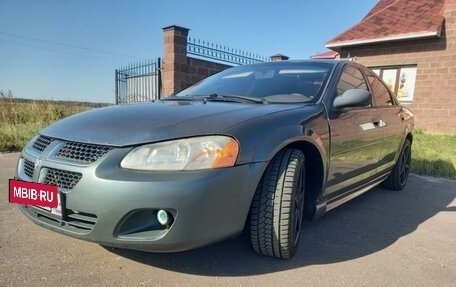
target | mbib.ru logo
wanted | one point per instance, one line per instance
(31, 193)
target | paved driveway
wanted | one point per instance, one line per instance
(382, 238)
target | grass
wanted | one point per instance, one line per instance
(434, 154)
(20, 120)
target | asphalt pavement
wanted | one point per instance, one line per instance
(381, 238)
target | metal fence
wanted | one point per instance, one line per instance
(222, 53)
(138, 82)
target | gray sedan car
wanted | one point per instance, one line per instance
(260, 146)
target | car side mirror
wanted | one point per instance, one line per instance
(352, 98)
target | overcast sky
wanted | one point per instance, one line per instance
(69, 50)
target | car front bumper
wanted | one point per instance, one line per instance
(117, 207)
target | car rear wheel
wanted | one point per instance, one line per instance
(399, 176)
(278, 206)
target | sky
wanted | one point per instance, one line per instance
(69, 50)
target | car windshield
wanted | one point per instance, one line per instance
(281, 82)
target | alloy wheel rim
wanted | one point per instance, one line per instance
(405, 165)
(298, 208)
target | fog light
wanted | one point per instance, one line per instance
(162, 217)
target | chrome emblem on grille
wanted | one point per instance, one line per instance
(42, 175)
(38, 163)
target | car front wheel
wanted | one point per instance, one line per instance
(278, 206)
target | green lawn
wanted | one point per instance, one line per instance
(434, 154)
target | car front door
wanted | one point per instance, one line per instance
(356, 138)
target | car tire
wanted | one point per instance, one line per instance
(278, 205)
(399, 175)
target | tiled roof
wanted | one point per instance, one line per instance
(392, 20)
(326, 55)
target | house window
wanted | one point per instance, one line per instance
(401, 80)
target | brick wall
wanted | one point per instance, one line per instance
(434, 102)
(198, 69)
(180, 71)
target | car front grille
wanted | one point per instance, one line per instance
(69, 151)
(82, 152)
(28, 168)
(74, 221)
(63, 152)
(81, 220)
(62, 178)
(42, 142)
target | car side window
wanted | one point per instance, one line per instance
(381, 93)
(351, 78)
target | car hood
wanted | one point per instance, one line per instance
(125, 125)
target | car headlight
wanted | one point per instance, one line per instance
(184, 154)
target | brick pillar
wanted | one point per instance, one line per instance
(174, 78)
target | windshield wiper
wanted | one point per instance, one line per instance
(231, 98)
(217, 98)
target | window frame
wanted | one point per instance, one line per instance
(363, 74)
(398, 69)
(353, 67)
(393, 99)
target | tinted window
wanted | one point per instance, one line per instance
(351, 79)
(381, 93)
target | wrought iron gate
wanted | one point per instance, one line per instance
(139, 82)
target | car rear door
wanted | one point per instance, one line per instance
(392, 125)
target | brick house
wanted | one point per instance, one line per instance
(411, 44)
